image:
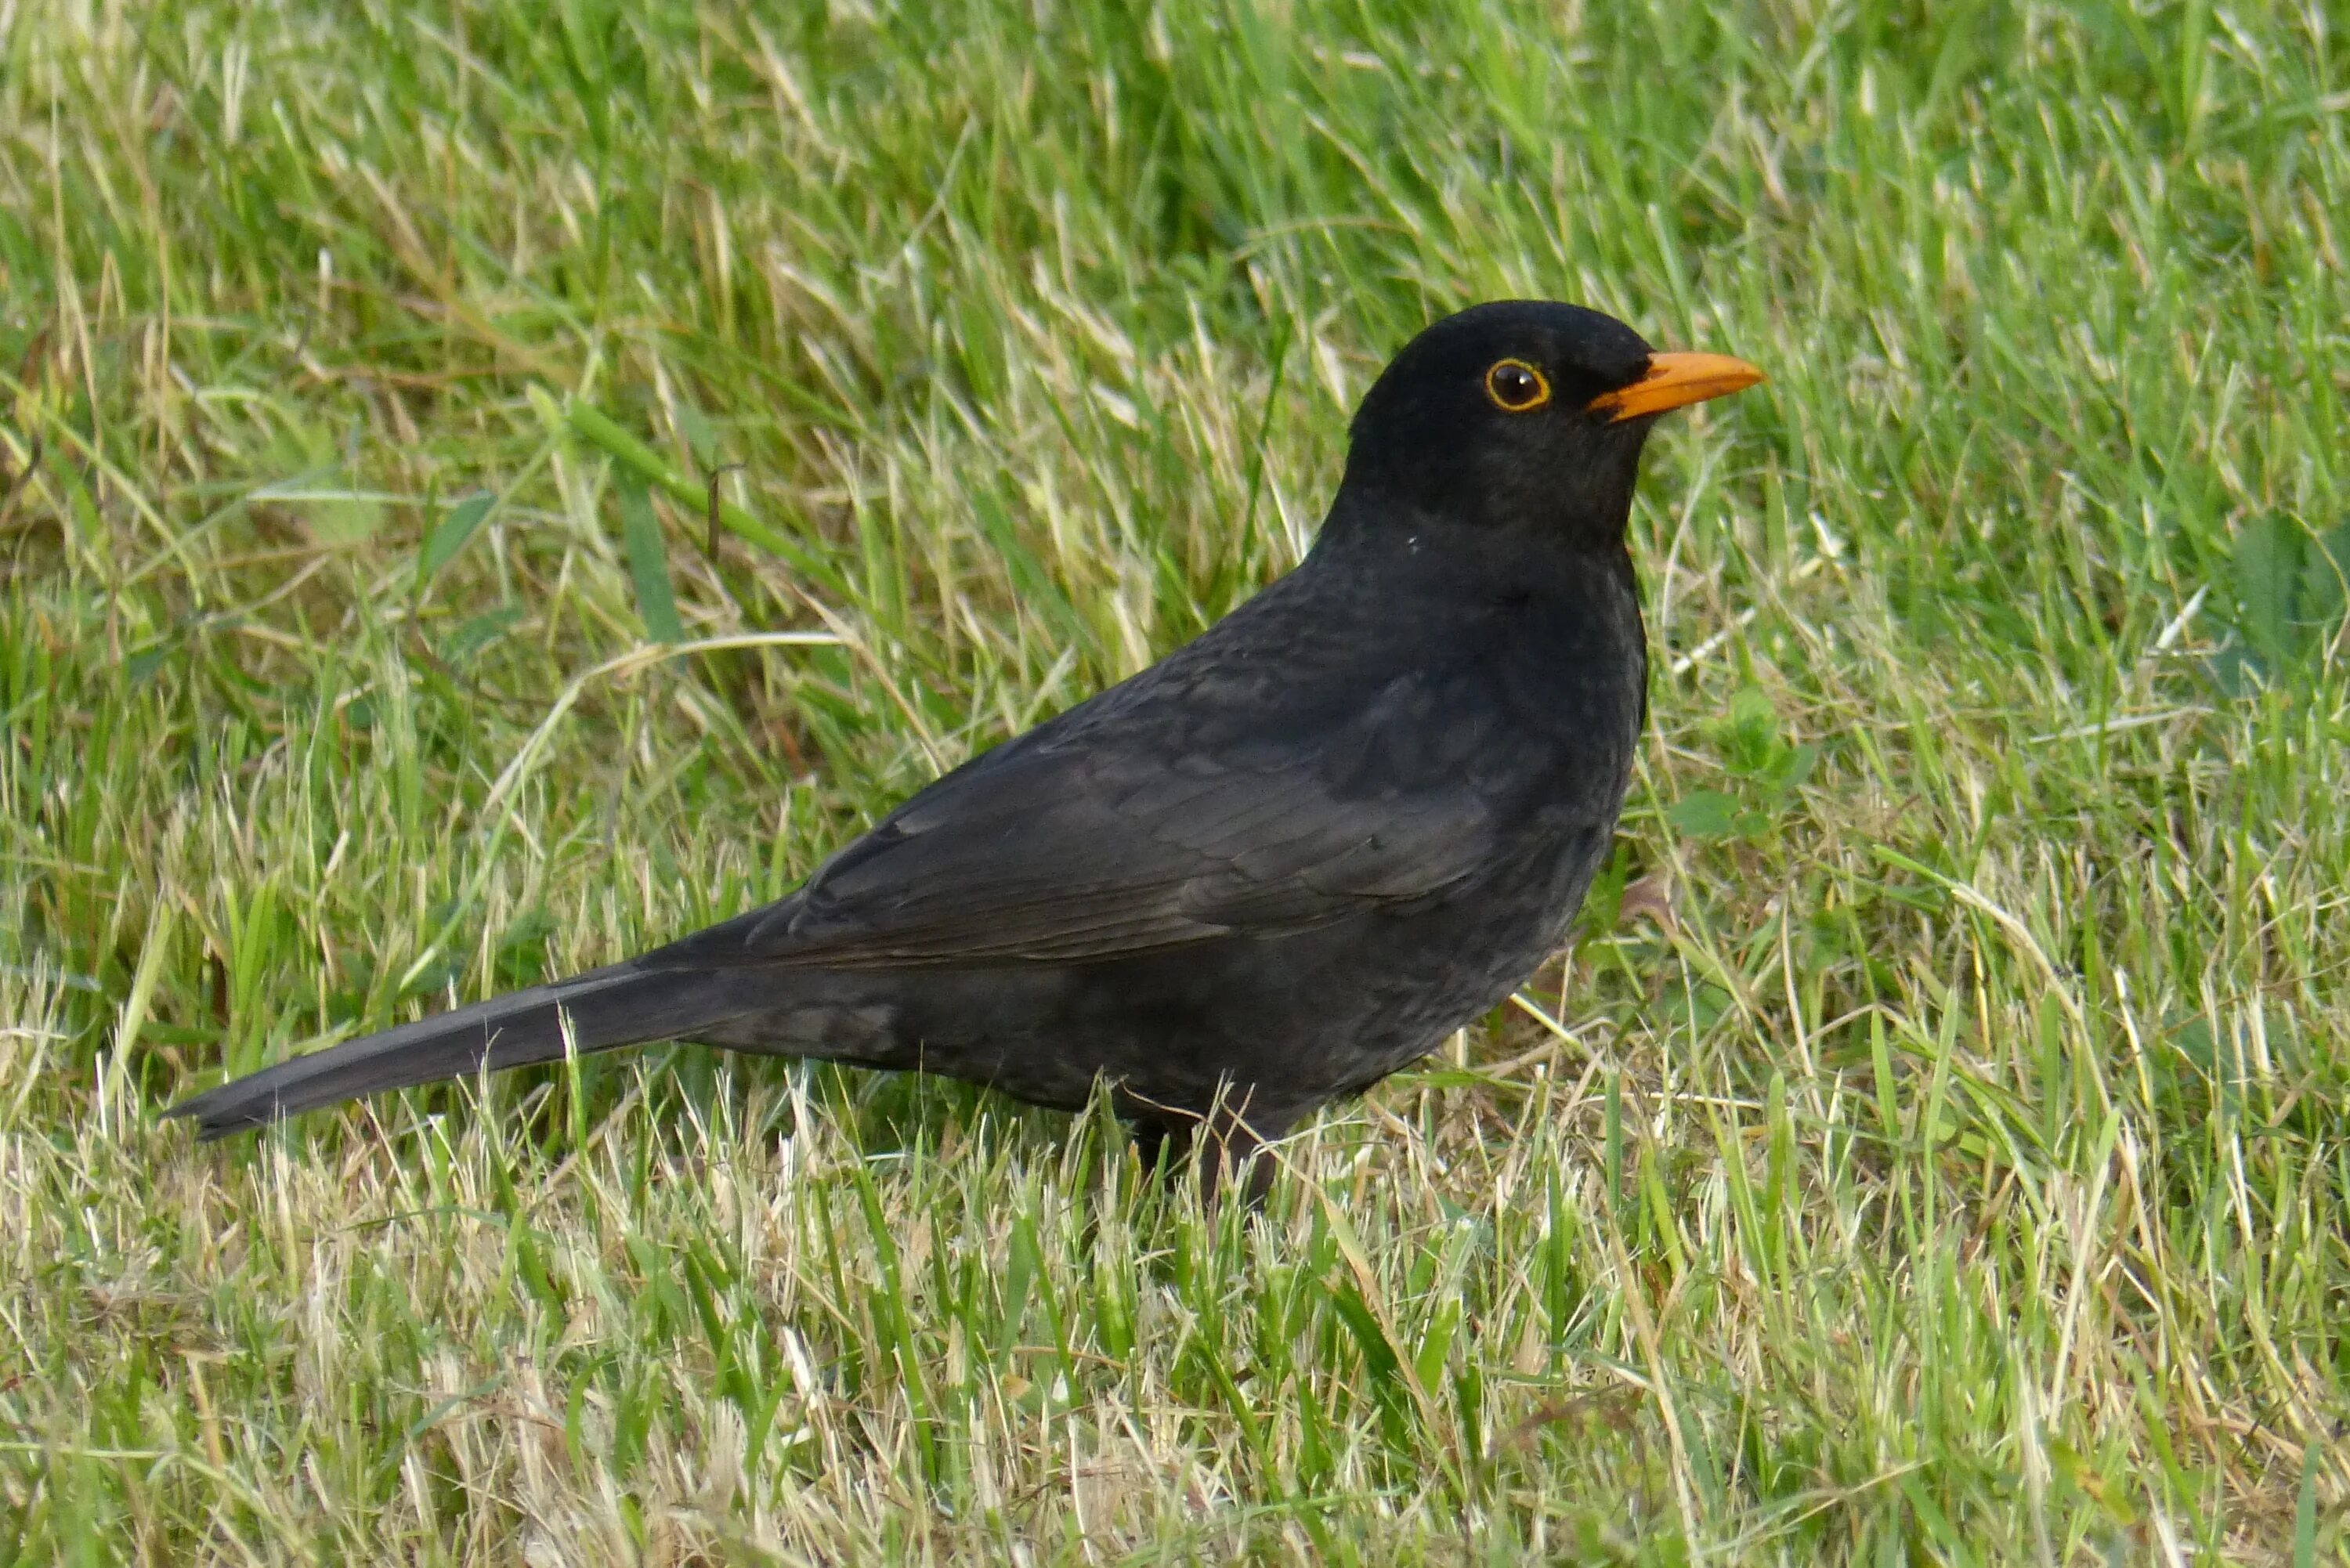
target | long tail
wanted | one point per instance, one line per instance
(625, 1004)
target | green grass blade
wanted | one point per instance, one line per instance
(648, 559)
(449, 536)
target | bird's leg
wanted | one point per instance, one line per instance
(1230, 1147)
(1161, 1145)
(1238, 1157)
(1226, 1145)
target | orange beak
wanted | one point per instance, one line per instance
(1674, 379)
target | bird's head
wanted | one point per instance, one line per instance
(1522, 414)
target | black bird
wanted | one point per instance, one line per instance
(1265, 872)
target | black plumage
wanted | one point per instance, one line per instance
(1266, 871)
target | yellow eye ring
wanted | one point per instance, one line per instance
(1516, 387)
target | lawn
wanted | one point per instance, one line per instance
(1935, 1146)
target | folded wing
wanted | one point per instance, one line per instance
(1086, 842)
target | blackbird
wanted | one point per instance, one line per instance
(1267, 871)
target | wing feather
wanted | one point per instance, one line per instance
(1079, 842)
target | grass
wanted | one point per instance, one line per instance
(1956, 1168)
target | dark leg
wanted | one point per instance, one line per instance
(1163, 1145)
(1227, 1146)
(1232, 1154)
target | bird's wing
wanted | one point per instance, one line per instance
(1094, 840)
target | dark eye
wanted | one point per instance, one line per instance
(1516, 387)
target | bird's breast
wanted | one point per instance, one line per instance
(1573, 669)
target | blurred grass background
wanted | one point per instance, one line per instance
(1934, 1148)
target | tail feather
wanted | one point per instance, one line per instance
(607, 1008)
